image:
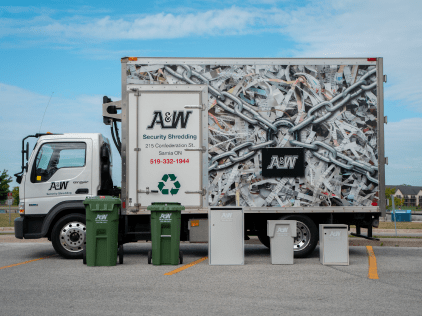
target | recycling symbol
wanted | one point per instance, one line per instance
(168, 179)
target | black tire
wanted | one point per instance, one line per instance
(307, 238)
(121, 254)
(149, 257)
(180, 257)
(68, 236)
(84, 256)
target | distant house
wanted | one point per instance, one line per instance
(412, 195)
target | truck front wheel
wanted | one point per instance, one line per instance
(68, 236)
(307, 236)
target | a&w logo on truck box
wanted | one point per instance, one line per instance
(170, 121)
(285, 162)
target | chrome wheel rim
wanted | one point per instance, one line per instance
(303, 236)
(72, 236)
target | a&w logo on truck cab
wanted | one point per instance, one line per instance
(59, 185)
(170, 121)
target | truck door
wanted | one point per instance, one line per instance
(61, 171)
(167, 156)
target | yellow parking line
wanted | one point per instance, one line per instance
(372, 271)
(18, 264)
(186, 266)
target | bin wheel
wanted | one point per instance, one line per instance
(84, 256)
(180, 257)
(121, 254)
(149, 257)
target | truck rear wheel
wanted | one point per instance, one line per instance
(307, 236)
(68, 236)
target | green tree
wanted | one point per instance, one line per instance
(5, 179)
(15, 193)
(398, 202)
(388, 193)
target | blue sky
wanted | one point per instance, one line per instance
(73, 52)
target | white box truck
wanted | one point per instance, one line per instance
(285, 138)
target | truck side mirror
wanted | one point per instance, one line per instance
(27, 151)
(19, 179)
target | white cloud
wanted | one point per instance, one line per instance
(161, 25)
(404, 151)
(333, 28)
(367, 28)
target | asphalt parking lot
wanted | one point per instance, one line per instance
(55, 286)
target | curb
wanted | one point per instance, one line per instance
(7, 229)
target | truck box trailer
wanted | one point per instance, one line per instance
(284, 138)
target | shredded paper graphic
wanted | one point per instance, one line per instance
(329, 110)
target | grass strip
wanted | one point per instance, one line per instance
(400, 225)
(4, 220)
(398, 237)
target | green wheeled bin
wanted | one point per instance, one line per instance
(165, 234)
(102, 225)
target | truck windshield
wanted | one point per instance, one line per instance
(54, 156)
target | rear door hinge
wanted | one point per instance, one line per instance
(203, 192)
(203, 149)
(200, 107)
(147, 191)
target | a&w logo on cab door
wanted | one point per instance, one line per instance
(169, 120)
(58, 185)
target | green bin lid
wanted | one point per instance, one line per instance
(169, 206)
(107, 199)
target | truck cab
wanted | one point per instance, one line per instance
(62, 170)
